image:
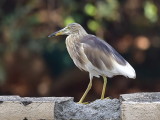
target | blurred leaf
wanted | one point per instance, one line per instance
(68, 20)
(90, 9)
(93, 25)
(108, 9)
(151, 11)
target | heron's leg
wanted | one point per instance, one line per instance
(104, 87)
(87, 90)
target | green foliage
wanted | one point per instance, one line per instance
(93, 25)
(108, 9)
(90, 9)
(151, 11)
(69, 20)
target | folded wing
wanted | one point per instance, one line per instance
(104, 57)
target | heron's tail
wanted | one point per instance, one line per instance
(126, 70)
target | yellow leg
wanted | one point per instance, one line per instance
(104, 87)
(86, 92)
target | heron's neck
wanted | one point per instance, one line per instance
(82, 32)
(77, 35)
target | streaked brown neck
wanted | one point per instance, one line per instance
(79, 34)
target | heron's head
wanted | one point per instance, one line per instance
(68, 30)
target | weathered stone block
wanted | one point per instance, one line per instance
(140, 106)
(106, 109)
(57, 108)
(137, 106)
(17, 108)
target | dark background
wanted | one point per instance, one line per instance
(31, 64)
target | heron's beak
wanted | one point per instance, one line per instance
(60, 32)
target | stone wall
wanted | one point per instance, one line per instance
(136, 106)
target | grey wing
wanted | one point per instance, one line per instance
(100, 53)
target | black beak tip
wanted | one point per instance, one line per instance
(51, 35)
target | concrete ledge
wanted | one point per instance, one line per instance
(136, 106)
(17, 108)
(57, 108)
(140, 106)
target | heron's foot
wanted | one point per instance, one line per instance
(83, 102)
(106, 98)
